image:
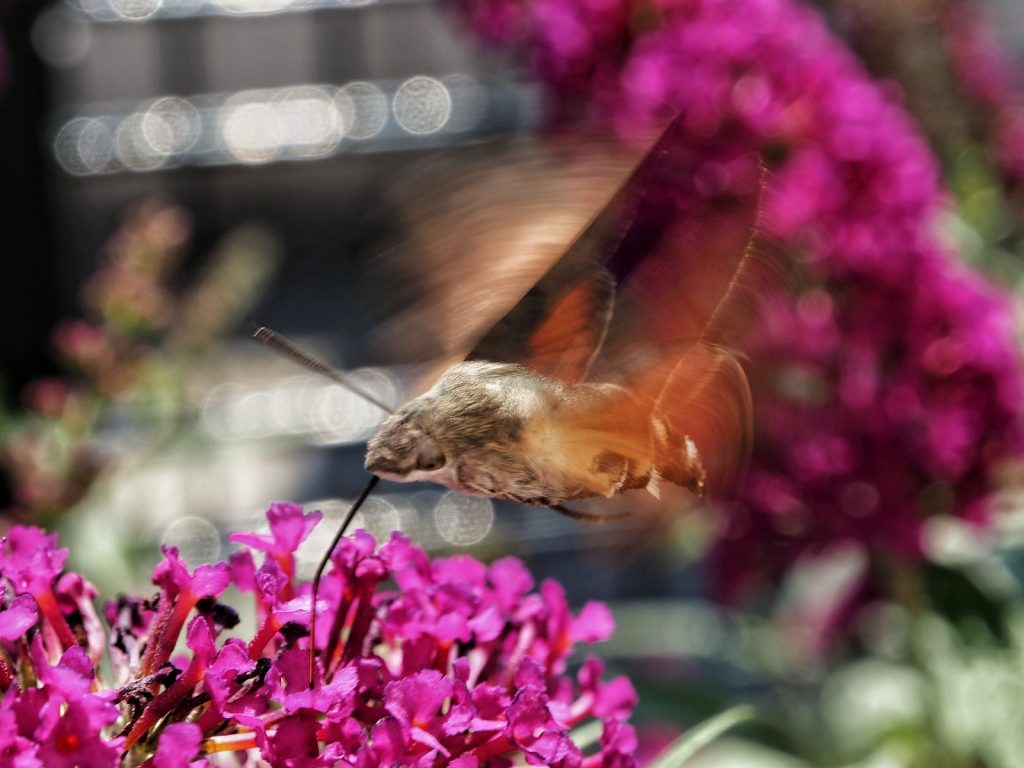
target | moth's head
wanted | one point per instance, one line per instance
(462, 420)
(402, 450)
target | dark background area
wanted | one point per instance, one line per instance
(54, 222)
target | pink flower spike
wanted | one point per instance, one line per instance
(402, 689)
(935, 387)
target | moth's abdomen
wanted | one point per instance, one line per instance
(602, 440)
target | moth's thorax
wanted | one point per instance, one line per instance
(501, 430)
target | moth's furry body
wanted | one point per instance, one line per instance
(504, 431)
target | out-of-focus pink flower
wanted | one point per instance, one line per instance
(31, 560)
(896, 371)
(48, 396)
(83, 344)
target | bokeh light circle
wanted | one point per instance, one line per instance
(171, 126)
(85, 145)
(363, 109)
(197, 540)
(422, 105)
(463, 520)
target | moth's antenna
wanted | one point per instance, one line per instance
(323, 564)
(280, 344)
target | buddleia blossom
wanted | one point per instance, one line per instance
(420, 662)
(890, 388)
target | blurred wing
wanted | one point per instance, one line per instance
(511, 265)
(693, 274)
(678, 241)
(557, 329)
(706, 394)
(673, 240)
(685, 264)
(479, 228)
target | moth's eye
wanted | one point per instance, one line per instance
(428, 455)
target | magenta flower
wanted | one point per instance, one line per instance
(234, 682)
(289, 527)
(18, 752)
(535, 731)
(896, 369)
(454, 663)
(31, 560)
(73, 739)
(178, 743)
(182, 591)
(417, 704)
(19, 617)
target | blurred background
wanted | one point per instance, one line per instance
(175, 169)
(179, 169)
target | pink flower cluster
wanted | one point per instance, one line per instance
(892, 388)
(420, 663)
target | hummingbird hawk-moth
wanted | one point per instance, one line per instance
(586, 368)
(616, 364)
(583, 355)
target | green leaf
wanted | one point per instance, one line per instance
(691, 742)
